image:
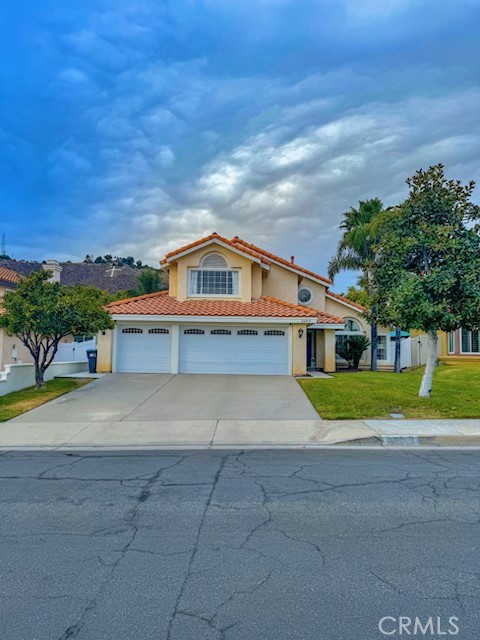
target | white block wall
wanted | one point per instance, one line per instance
(20, 376)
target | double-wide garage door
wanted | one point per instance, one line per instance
(241, 349)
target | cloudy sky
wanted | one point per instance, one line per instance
(134, 126)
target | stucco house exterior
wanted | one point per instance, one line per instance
(232, 307)
(12, 351)
(462, 345)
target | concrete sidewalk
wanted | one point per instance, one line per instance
(236, 434)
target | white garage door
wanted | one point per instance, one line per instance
(143, 349)
(242, 349)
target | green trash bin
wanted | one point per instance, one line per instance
(92, 360)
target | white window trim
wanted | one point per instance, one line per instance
(230, 296)
(468, 353)
(452, 334)
(386, 336)
(305, 304)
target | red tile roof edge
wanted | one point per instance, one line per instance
(212, 236)
(236, 240)
(144, 296)
(8, 275)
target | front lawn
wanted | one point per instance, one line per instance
(367, 394)
(13, 404)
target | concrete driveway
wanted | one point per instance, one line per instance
(164, 397)
(162, 410)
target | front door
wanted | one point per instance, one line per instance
(310, 349)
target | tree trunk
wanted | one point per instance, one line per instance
(426, 384)
(374, 341)
(39, 373)
(398, 350)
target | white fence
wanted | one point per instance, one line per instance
(20, 376)
(74, 351)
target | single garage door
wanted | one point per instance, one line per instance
(244, 350)
(143, 349)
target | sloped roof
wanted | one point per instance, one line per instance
(239, 243)
(212, 236)
(10, 276)
(162, 304)
(340, 298)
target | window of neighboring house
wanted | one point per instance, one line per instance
(214, 278)
(451, 342)
(382, 352)
(470, 341)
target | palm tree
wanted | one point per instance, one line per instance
(355, 251)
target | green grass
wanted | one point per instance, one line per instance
(16, 403)
(367, 394)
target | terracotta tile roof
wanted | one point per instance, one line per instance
(162, 304)
(343, 299)
(213, 236)
(327, 318)
(239, 243)
(7, 275)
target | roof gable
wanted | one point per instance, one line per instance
(214, 239)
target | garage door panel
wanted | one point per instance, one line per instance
(241, 351)
(144, 350)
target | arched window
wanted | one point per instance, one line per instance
(352, 325)
(132, 330)
(197, 332)
(247, 332)
(221, 332)
(214, 261)
(274, 332)
(158, 330)
(213, 278)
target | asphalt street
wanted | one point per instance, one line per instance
(270, 545)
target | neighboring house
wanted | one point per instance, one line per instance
(232, 307)
(12, 351)
(462, 345)
(107, 277)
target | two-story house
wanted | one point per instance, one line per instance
(231, 308)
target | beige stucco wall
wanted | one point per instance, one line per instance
(281, 283)
(234, 261)
(3, 289)
(6, 345)
(318, 291)
(341, 311)
(104, 351)
(172, 280)
(257, 281)
(299, 350)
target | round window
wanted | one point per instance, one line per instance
(304, 295)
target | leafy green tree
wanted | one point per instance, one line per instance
(358, 295)
(40, 313)
(352, 349)
(427, 275)
(355, 252)
(148, 281)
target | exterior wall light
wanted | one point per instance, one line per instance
(300, 333)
